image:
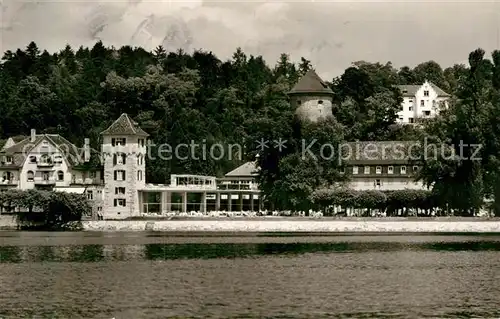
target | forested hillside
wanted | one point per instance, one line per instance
(182, 97)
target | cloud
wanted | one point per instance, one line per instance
(331, 34)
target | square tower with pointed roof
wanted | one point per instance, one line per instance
(124, 155)
(311, 97)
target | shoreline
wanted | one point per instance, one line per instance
(290, 225)
(285, 225)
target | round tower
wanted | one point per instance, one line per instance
(311, 97)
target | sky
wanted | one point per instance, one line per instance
(332, 34)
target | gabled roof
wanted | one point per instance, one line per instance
(19, 151)
(311, 83)
(124, 125)
(411, 90)
(249, 169)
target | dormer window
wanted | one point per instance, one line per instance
(8, 159)
(405, 91)
(320, 102)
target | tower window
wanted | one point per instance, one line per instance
(118, 141)
(119, 202)
(119, 175)
(31, 176)
(120, 159)
(60, 176)
(139, 175)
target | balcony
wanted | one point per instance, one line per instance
(9, 182)
(86, 181)
(45, 164)
(239, 187)
(44, 181)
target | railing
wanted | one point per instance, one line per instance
(41, 181)
(9, 182)
(45, 164)
(241, 187)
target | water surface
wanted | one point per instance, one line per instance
(141, 275)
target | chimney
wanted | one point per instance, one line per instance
(86, 150)
(33, 135)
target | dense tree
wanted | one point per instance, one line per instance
(180, 97)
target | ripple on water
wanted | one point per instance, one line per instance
(364, 279)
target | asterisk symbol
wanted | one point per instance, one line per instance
(280, 144)
(262, 144)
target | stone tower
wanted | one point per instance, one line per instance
(124, 155)
(311, 97)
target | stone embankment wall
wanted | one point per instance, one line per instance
(297, 226)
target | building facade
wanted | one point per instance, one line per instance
(421, 102)
(124, 161)
(388, 165)
(50, 162)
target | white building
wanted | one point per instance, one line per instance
(421, 102)
(124, 157)
(384, 166)
(50, 162)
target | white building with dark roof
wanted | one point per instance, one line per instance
(421, 102)
(51, 162)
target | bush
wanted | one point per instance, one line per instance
(46, 209)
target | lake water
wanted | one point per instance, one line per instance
(140, 275)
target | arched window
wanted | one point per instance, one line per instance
(31, 176)
(60, 176)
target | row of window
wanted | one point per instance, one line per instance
(46, 159)
(121, 159)
(119, 175)
(46, 176)
(121, 141)
(378, 170)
